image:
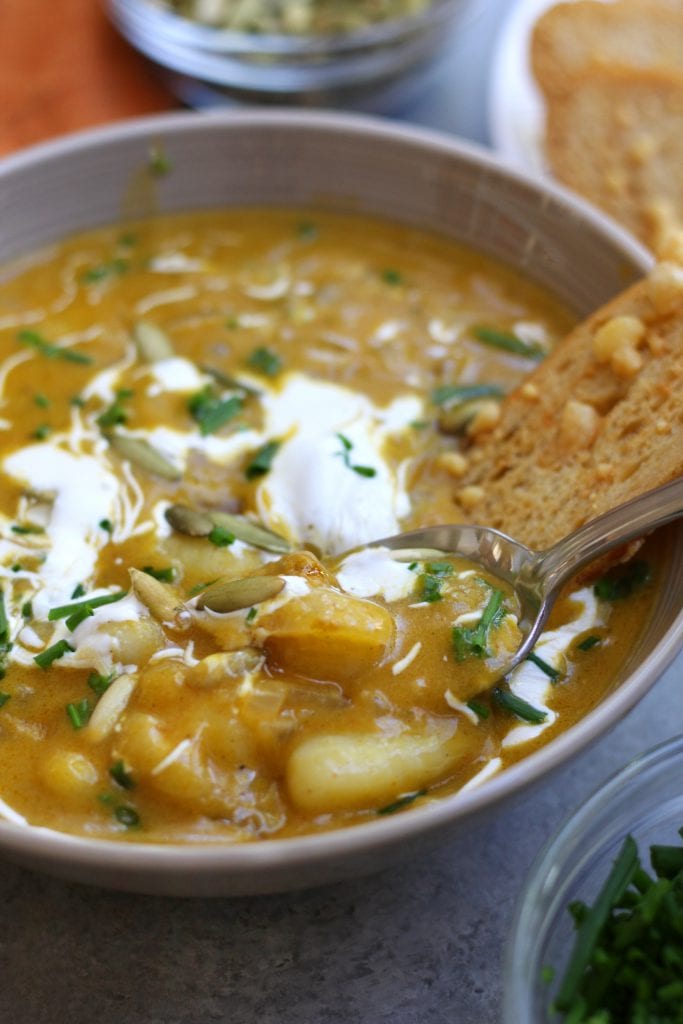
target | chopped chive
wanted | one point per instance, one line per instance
(158, 163)
(430, 587)
(368, 471)
(507, 341)
(455, 394)
(307, 230)
(211, 412)
(117, 413)
(5, 642)
(401, 802)
(128, 240)
(79, 713)
(165, 575)
(4, 697)
(63, 610)
(262, 460)
(345, 455)
(103, 271)
(41, 432)
(221, 537)
(50, 654)
(98, 683)
(122, 776)
(35, 340)
(106, 525)
(79, 616)
(620, 583)
(413, 566)
(392, 276)
(198, 587)
(589, 642)
(251, 615)
(551, 672)
(27, 609)
(78, 591)
(41, 400)
(623, 870)
(77, 401)
(127, 816)
(479, 709)
(471, 642)
(17, 567)
(519, 707)
(264, 361)
(27, 528)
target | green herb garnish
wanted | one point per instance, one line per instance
(210, 411)
(345, 455)
(392, 276)
(5, 642)
(103, 271)
(98, 683)
(262, 460)
(41, 432)
(27, 609)
(401, 802)
(127, 816)
(472, 642)
(507, 341)
(79, 616)
(117, 413)
(251, 615)
(621, 582)
(26, 528)
(307, 230)
(42, 401)
(64, 610)
(551, 672)
(106, 525)
(78, 591)
(519, 707)
(264, 361)
(221, 537)
(479, 709)
(4, 697)
(79, 713)
(35, 340)
(455, 394)
(50, 654)
(589, 643)
(431, 581)
(122, 776)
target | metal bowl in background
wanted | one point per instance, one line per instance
(644, 800)
(376, 68)
(361, 165)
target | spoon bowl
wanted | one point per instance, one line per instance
(537, 577)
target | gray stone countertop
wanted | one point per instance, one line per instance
(419, 944)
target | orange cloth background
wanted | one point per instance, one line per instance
(64, 67)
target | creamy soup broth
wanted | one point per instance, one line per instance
(201, 414)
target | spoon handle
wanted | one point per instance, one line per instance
(618, 526)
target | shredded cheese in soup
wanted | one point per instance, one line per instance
(205, 420)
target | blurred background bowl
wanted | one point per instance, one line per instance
(645, 800)
(374, 68)
(360, 165)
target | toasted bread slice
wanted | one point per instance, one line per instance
(616, 136)
(640, 34)
(599, 422)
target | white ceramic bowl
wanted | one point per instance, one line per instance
(363, 165)
(372, 68)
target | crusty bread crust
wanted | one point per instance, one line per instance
(617, 138)
(639, 34)
(596, 424)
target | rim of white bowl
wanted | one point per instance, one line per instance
(243, 859)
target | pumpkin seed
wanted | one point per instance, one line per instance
(152, 342)
(161, 600)
(189, 521)
(251, 533)
(110, 707)
(226, 381)
(231, 595)
(143, 455)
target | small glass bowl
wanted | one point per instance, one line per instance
(371, 68)
(645, 800)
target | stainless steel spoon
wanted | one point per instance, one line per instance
(537, 577)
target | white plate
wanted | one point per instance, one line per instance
(515, 109)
